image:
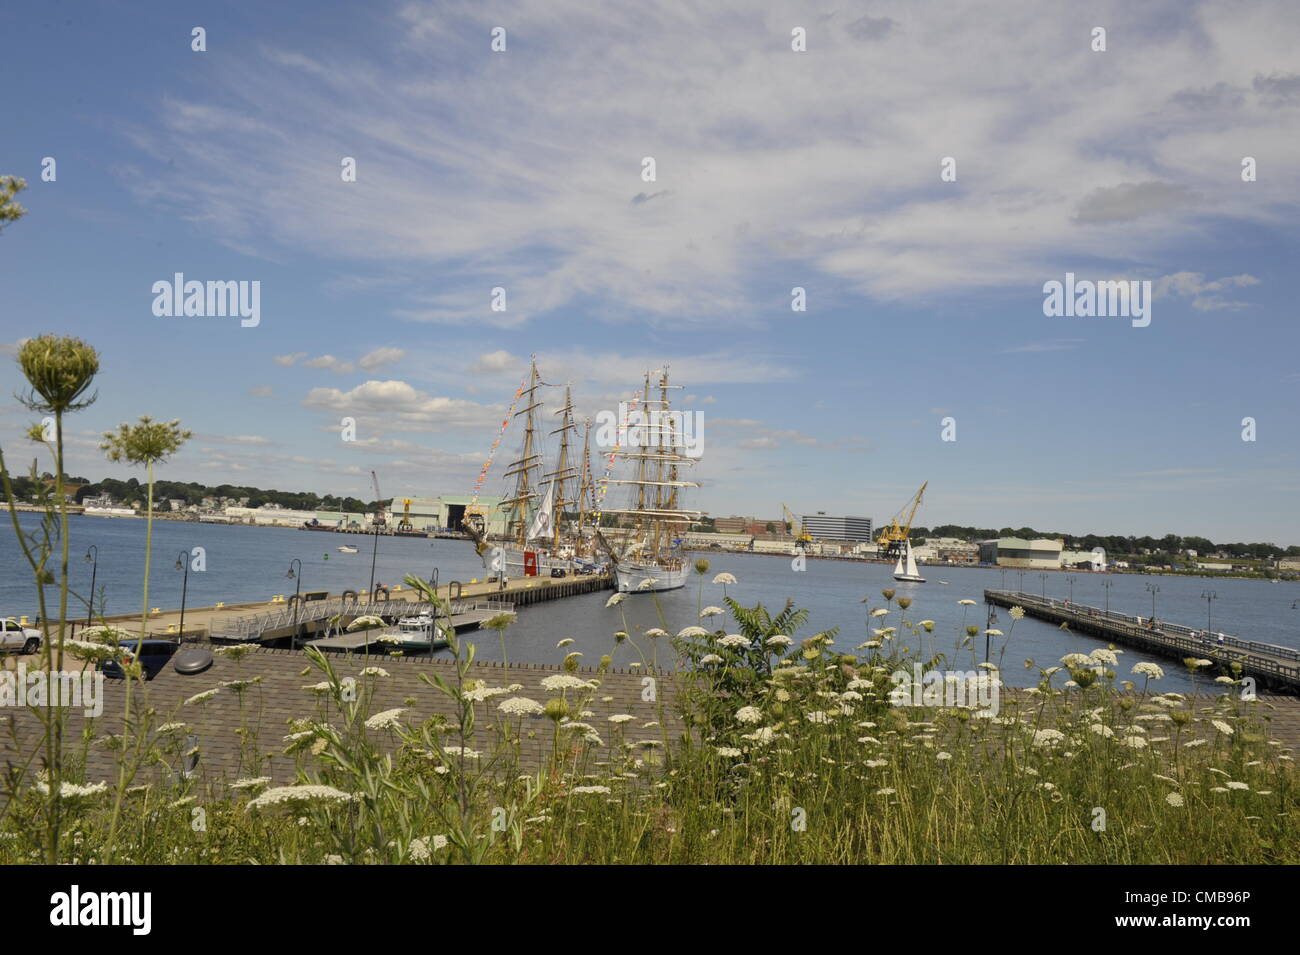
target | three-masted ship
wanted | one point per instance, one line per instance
(543, 538)
(651, 558)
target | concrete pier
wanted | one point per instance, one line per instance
(1270, 665)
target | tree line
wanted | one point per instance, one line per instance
(132, 490)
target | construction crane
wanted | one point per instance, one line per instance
(893, 538)
(801, 536)
(379, 503)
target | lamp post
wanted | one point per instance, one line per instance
(1108, 584)
(92, 558)
(374, 555)
(1209, 596)
(1153, 589)
(1043, 577)
(1020, 587)
(297, 589)
(1004, 578)
(1070, 580)
(183, 563)
(992, 619)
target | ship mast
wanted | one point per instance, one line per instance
(519, 506)
(586, 480)
(564, 471)
(658, 459)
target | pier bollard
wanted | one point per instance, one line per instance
(155, 612)
(220, 604)
(23, 620)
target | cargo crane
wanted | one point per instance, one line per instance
(894, 537)
(801, 536)
(405, 525)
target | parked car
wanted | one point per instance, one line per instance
(154, 658)
(15, 636)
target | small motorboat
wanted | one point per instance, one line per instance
(347, 549)
(415, 633)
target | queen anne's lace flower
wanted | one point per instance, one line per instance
(388, 719)
(279, 795)
(520, 706)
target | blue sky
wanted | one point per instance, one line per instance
(522, 169)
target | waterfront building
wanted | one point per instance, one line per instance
(720, 541)
(446, 512)
(269, 514)
(1083, 560)
(822, 527)
(1040, 554)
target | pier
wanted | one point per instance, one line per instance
(310, 616)
(1270, 665)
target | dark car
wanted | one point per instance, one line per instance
(154, 658)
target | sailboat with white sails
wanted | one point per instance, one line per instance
(909, 573)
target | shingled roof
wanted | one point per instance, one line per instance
(282, 695)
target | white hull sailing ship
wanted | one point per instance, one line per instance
(908, 573)
(651, 559)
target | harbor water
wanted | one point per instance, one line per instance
(245, 563)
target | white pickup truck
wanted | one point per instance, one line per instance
(14, 636)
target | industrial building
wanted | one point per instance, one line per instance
(826, 528)
(1041, 554)
(448, 511)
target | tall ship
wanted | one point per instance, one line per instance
(650, 557)
(543, 538)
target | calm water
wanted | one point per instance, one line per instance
(249, 563)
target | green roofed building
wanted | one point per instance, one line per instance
(448, 511)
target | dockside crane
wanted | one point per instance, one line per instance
(893, 538)
(801, 536)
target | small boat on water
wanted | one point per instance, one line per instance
(347, 549)
(416, 633)
(908, 574)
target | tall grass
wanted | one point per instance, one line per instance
(793, 752)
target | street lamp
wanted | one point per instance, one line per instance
(1004, 578)
(1020, 588)
(374, 555)
(1108, 584)
(183, 563)
(1070, 580)
(1153, 589)
(1044, 579)
(293, 639)
(1209, 596)
(93, 560)
(992, 619)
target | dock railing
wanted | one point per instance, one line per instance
(1281, 662)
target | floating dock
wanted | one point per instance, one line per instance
(1272, 666)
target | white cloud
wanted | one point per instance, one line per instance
(380, 357)
(330, 363)
(527, 193)
(289, 360)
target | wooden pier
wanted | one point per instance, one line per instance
(1271, 666)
